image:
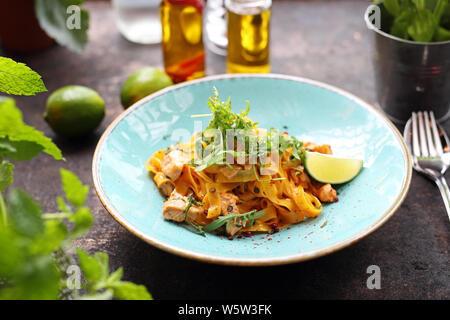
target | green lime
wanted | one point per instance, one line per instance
(74, 111)
(142, 83)
(329, 169)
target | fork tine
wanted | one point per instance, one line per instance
(436, 136)
(415, 137)
(422, 136)
(430, 142)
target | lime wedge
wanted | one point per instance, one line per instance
(328, 169)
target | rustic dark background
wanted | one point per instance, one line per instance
(322, 40)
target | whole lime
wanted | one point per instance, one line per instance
(74, 111)
(141, 83)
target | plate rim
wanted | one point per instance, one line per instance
(237, 261)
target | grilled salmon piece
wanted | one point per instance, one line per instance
(172, 164)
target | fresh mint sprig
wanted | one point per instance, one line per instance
(32, 244)
(419, 20)
(35, 247)
(55, 18)
(17, 78)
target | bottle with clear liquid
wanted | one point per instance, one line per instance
(138, 20)
(248, 36)
(216, 26)
(182, 43)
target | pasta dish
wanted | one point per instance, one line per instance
(236, 178)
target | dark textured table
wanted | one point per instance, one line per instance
(322, 40)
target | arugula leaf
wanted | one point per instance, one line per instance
(73, 188)
(191, 201)
(225, 119)
(25, 139)
(244, 217)
(53, 15)
(223, 116)
(16, 78)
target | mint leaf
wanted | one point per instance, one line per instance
(5, 147)
(6, 174)
(420, 4)
(25, 213)
(442, 34)
(423, 26)
(21, 150)
(91, 267)
(439, 9)
(37, 278)
(73, 188)
(125, 290)
(392, 6)
(54, 18)
(21, 136)
(16, 78)
(115, 276)
(62, 206)
(10, 253)
(103, 259)
(83, 219)
(401, 24)
(54, 234)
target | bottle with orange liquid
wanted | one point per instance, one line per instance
(182, 43)
(248, 36)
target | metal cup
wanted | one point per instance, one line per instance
(411, 76)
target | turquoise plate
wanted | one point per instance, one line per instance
(310, 110)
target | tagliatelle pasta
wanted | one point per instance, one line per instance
(263, 196)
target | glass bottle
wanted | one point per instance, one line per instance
(138, 20)
(182, 43)
(248, 36)
(216, 27)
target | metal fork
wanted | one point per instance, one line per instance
(429, 146)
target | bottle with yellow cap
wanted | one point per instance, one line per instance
(248, 36)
